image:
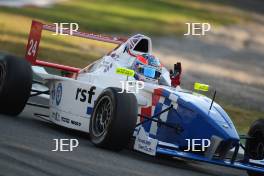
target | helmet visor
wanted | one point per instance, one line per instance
(149, 72)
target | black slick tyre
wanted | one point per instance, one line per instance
(15, 84)
(113, 119)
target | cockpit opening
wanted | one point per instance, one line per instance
(142, 46)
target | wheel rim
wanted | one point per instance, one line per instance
(102, 116)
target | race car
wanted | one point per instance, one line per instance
(128, 96)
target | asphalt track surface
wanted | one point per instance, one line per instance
(25, 150)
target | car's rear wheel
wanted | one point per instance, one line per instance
(15, 84)
(255, 144)
(113, 119)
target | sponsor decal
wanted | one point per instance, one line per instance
(66, 120)
(144, 143)
(72, 122)
(125, 71)
(201, 87)
(56, 116)
(115, 56)
(75, 123)
(89, 110)
(107, 68)
(58, 94)
(84, 95)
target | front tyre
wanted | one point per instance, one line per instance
(15, 84)
(113, 119)
(255, 144)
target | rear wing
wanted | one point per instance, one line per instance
(34, 41)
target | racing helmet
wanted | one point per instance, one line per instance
(147, 68)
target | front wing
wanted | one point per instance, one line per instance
(150, 146)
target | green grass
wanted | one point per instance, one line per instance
(157, 17)
(242, 118)
(60, 49)
(125, 17)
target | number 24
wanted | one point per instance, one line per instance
(32, 47)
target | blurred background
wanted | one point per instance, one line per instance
(230, 57)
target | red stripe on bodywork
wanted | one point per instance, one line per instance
(145, 112)
(155, 99)
(57, 66)
(158, 91)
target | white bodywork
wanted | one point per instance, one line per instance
(72, 100)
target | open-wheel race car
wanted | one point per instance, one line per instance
(152, 112)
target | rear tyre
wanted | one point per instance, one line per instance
(255, 144)
(15, 84)
(114, 119)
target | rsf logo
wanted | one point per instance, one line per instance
(84, 95)
(58, 94)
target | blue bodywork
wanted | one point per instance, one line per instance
(238, 164)
(192, 114)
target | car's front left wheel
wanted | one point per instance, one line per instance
(113, 119)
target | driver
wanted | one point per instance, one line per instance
(147, 68)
